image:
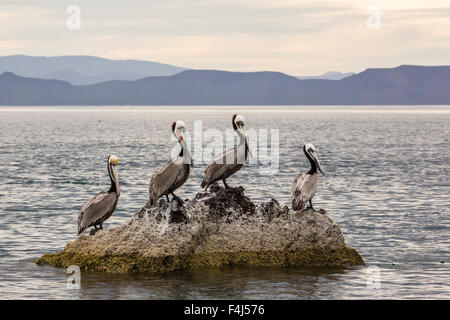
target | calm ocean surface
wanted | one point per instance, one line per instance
(387, 186)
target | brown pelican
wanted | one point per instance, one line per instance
(304, 186)
(99, 208)
(230, 161)
(174, 173)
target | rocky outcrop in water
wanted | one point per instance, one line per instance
(217, 228)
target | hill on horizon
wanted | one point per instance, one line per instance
(84, 70)
(403, 85)
(330, 75)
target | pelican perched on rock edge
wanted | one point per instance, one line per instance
(99, 208)
(304, 186)
(230, 161)
(174, 173)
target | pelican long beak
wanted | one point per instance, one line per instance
(182, 141)
(316, 160)
(181, 138)
(179, 134)
(116, 178)
(242, 129)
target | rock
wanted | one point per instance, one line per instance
(216, 228)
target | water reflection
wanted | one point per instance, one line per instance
(387, 187)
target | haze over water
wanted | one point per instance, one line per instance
(386, 185)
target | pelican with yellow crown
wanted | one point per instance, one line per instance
(94, 212)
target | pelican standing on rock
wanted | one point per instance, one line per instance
(230, 161)
(99, 208)
(174, 173)
(304, 186)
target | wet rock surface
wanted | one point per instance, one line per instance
(219, 227)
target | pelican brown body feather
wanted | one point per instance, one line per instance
(221, 168)
(102, 205)
(97, 210)
(174, 173)
(304, 186)
(303, 189)
(168, 178)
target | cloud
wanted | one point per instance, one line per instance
(293, 36)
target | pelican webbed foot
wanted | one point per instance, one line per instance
(310, 206)
(178, 199)
(226, 184)
(93, 231)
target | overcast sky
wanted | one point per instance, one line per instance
(293, 36)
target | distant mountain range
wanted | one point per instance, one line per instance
(404, 85)
(331, 75)
(83, 70)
